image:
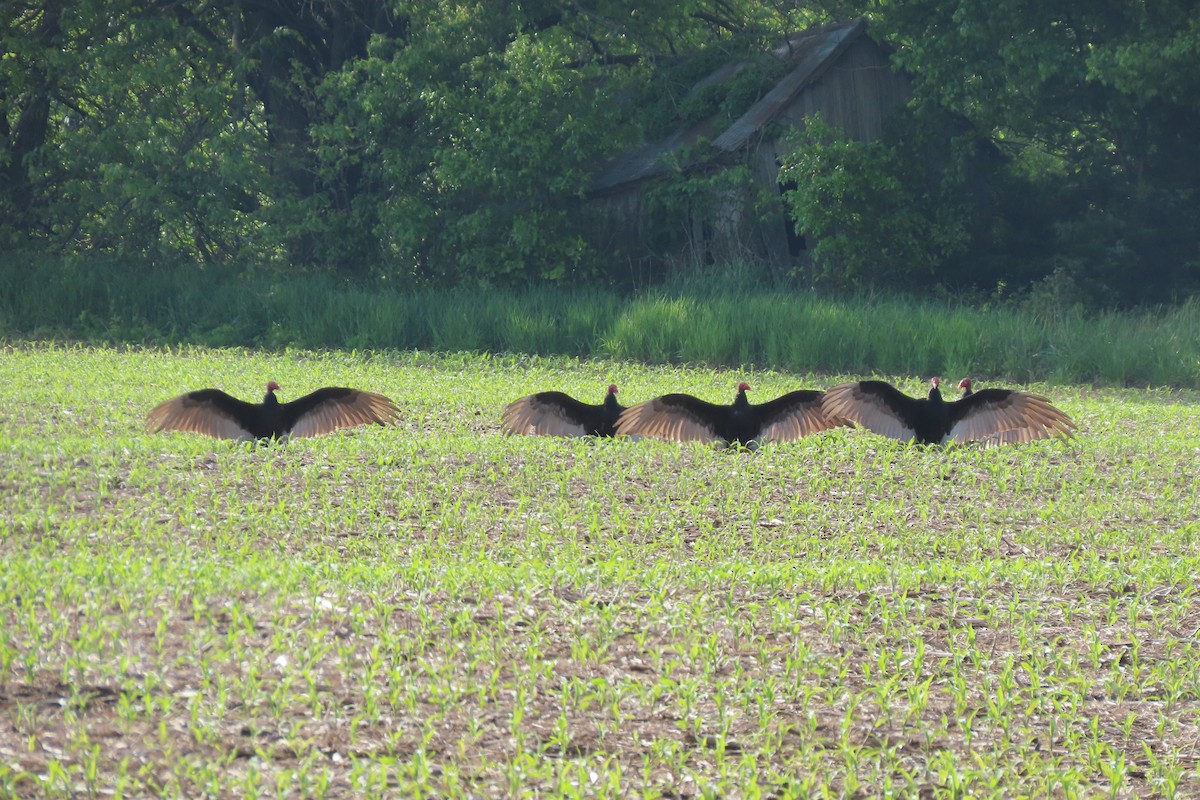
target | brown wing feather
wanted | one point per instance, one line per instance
(854, 403)
(662, 419)
(1018, 417)
(533, 416)
(795, 415)
(189, 414)
(347, 411)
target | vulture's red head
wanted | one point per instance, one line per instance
(743, 387)
(965, 383)
(935, 381)
(612, 388)
(272, 386)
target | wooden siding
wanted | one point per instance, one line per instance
(855, 93)
(815, 55)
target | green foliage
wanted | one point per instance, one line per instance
(720, 101)
(701, 191)
(140, 153)
(438, 142)
(519, 160)
(435, 142)
(1102, 91)
(713, 319)
(879, 215)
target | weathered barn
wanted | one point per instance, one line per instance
(836, 72)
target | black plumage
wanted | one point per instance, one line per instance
(212, 412)
(682, 417)
(559, 414)
(987, 415)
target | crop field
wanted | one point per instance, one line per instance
(435, 609)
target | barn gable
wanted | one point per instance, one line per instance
(836, 72)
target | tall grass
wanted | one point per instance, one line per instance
(115, 302)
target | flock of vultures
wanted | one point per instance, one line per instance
(990, 416)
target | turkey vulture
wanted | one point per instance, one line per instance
(683, 418)
(983, 415)
(214, 413)
(559, 414)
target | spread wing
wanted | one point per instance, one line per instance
(208, 411)
(335, 407)
(877, 406)
(1006, 416)
(675, 417)
(549, 414)
(793, 415)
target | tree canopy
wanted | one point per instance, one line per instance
(1092, 104)
(443, 141)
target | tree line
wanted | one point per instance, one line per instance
(447, 141)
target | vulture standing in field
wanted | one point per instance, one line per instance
(559, 414)
(990, 415)
(684, 418)
(214, 413)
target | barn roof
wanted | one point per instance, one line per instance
(812, 52)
